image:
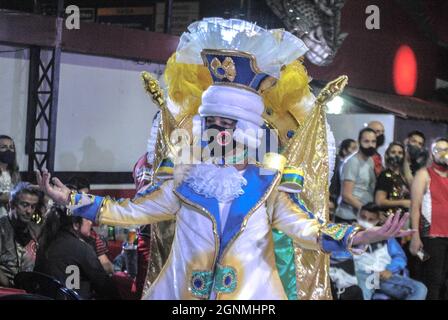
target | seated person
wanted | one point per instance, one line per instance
(343, 280)
(382, 266)
(80, 184)
(19, 230)
(62, 244)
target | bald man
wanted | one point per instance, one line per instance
(378, 127)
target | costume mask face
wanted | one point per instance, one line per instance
(219, 132)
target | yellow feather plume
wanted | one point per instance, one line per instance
(289, 90)
(186, 83)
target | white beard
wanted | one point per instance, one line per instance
(224, 183)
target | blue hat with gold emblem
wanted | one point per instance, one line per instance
(243, 59)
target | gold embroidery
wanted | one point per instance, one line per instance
(336, 231)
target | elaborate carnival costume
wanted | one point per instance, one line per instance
(237, 70)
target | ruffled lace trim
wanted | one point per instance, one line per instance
(212, 181)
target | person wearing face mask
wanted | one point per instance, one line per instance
(429, 215)
(378, 127)
(383, 265)
(346, 149)
(9, 171)
(357, 178)
(416, 154)
(61, 244)
(19, 232)
(392, 190)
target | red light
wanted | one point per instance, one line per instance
(405, 71)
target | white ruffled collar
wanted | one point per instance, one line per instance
(224, 183)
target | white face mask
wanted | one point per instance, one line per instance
(365, 224)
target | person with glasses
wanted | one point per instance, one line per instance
(19, 231)
(429, 214)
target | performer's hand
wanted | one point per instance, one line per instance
(390, 229)
(58, 192)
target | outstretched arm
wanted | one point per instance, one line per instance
(156, 204)
(292, 217)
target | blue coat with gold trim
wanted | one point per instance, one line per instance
(204, 263)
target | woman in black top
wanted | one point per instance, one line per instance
(392, 190)
(62, 249)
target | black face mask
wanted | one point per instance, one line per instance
(7, 157)
(418, 157)
(395, 161)
(214, 145)
(413, 151)
(380, 140)
(367, 151)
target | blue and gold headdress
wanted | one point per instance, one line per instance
(241, 58)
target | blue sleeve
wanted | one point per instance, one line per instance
(89, 209)
(332, 243)
(90, 206)
(334, 237)
(398, 256)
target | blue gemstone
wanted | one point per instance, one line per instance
(221, 71)
(227, 280)
(197, 283)
(290, 134)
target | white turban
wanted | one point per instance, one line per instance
(238, 104)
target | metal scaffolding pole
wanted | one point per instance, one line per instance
(43, 89)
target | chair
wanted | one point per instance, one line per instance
(45, 285)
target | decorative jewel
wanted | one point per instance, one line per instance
(201, 283)
(226, 279)
(226, 69)
(290, 134)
